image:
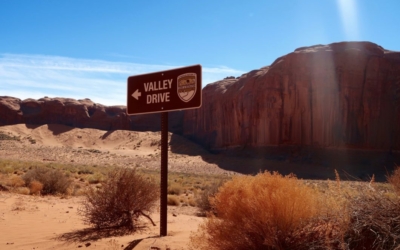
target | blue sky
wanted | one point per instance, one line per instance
(88, 48)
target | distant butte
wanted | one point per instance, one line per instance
(341, 95)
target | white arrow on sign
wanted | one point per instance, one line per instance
(136, 94)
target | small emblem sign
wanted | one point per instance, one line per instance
(187, 86)
(175, 89)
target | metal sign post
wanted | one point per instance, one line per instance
(164, 174)
(160, 92)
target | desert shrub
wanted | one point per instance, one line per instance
(173, 200)
(375, 222)
(203, 198)
(394, 180)
(16, 181)
(123, 197)
(54, 181)
(259, 212)
(35, 187)
(95, 178)
(368, 219)
(175, 188)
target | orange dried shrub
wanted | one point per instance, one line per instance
(35, 187)
(258, 212)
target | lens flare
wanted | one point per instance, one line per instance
(348, 15)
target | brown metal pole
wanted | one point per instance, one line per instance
(164, 174)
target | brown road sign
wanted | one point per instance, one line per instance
(175, 89)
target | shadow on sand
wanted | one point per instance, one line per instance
(305, 163)
(94, 234)
(56, 129)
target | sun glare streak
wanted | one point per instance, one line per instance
(348, 16)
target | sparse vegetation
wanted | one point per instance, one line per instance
(204, 197)
(173, 200)
(175, 189)
(4, 136)
(321, 215)
(54, 180)
(123, 197)
(270, 211)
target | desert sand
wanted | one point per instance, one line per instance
(32, 222)
(51, 222)
(97, 147)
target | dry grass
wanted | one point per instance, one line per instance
(204, 197)
(22, 190)
(175, 188)
(375, 222)
(84, 177)
(394, 180)
(16, 181)
(173, 200)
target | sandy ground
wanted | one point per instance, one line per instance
(33, 222)
(97, 147)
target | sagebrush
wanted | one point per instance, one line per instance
(122, 199)
(54, 180)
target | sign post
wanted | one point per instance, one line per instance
(160, 92)
(164, 174)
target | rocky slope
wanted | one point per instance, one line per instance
(342, 95)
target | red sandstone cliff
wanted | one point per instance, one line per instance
(80, 114)
(339, 95)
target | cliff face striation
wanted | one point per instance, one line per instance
(342, 95)
(80, 114)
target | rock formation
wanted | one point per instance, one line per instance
(342, 95)
(80, 114)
